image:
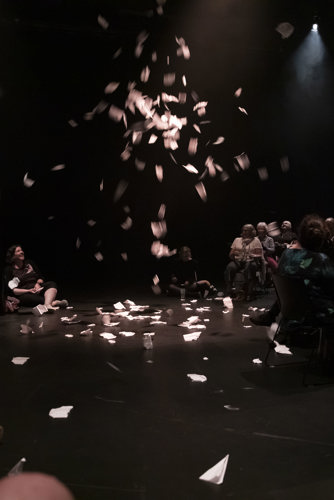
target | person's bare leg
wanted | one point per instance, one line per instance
(50, 296)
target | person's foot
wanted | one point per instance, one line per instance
(60, 303)
(263, 319)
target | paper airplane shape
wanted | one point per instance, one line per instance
(216, 473)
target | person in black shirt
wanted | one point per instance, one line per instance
(184, 276)
(23, 279)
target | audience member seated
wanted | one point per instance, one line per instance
(268, 246)
(25, 282)
(184, 276)
(306, 260)
(329, 244)
(246, 255)
(283, 240)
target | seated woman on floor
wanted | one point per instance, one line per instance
(305, 259)
(184, 276)
(246, 255)
(24, 280)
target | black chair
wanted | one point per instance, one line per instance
(297, 322)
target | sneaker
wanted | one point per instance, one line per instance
(263, 319)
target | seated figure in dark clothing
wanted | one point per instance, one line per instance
(305, 259)
(283, 240)
(24, 280)
(184, 276)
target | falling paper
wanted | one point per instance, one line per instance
(216, 473)
(19, 360)
(102, 22)
(219, 140)
(57, 168)
(28, 182)
(98, 256)
(237, 93)
(231, 408)
(61, 412)
(111, 87)
(201, 191)
(159, 172)
(195, 377)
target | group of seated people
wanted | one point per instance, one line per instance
(309, 258)
(254, 253)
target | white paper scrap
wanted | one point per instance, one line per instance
(127, 334)
(282, 349)
(231, 408)
(216, 473)
(188, 337)
(19, 360)
(27, 182)
(228, 302)
(61, 412)
(119, 306)
(107, 335)
(257, 361)
(195, 377)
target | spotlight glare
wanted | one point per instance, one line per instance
(314, 27)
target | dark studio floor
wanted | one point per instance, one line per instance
(147, 431)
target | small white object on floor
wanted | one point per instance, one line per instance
(19, 360)
(60, 412)
(282, 349)
(195, 377)
(188, 337)
(257, 361)
(216, 474)
(107, 335)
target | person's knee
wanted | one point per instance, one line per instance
(33, 486)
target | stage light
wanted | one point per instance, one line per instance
(314, 27)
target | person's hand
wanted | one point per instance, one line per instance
(37, 288)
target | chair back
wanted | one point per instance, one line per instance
(293, 297)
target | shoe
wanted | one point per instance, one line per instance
(263, 319)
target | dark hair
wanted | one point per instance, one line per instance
(10, 253)
(312, 232)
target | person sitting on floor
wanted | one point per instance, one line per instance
(24, 280)
(184, 276)
(246, 255)
(306, 260)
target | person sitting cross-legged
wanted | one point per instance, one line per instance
(184, 276)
